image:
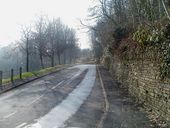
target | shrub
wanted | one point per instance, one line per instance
(142, 35)
(107, 61)
(120, 33)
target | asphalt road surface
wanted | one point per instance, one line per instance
(70, 98)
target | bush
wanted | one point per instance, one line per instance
(146, 36)
(120, 33)
(107, 62)
(142, 35)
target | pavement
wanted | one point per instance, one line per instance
(122, 112)
(71, 98)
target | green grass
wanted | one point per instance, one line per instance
(44, 71)
(4, 81)
(31, 74)
(24, 76)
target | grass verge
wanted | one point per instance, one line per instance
(27, 75)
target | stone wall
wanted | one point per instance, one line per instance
(143, 82)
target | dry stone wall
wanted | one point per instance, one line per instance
(141, 77)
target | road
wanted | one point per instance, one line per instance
(72, 97)
(55, 97)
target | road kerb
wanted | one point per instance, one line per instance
(28, 80)
(106, 109)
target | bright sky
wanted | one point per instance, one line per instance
(14, 13)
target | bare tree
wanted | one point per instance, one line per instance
(165, 8)
(59, 40)
(40, 38)
(72, 45)
(51, 38)
(26, 38)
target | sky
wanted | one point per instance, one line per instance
(17, 13)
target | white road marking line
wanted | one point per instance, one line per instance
(13, 113)
(58, 84)
(9, 115)
(76, 75)
(34, 101)
(67, 81)
(21, 125)
(72, 78)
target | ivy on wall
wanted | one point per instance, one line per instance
(165, 66)
(159, 38)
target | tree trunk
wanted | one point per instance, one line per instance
(70, 58)
(166, 10)
(41, 61)
(64, 57)
(52, 61)
(59, 60)
(27, 56)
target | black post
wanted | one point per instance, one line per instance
(1, 80)
(20, 72)
(12, 75)
(27, 56)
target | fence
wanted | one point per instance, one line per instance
(13, 76)
(10, 76)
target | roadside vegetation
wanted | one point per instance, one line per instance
(44, 43)
(27, 75)
(130, 28)
(138, 31)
